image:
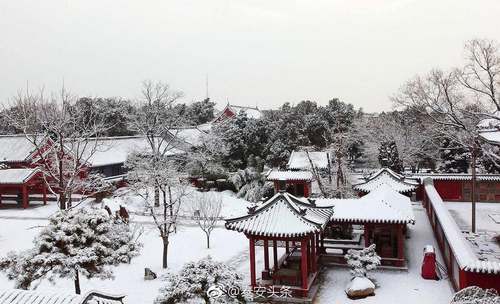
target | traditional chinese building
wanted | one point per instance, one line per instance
(383, 215)
(299, 160)
(231, 111)
(386, 176)
(297, 183)
(19, 184)
(458, 187)
(284, 221)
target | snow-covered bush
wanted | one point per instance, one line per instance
(251, 185)
(204, 281)
(476, 295)
(83, 241)
(362, 261)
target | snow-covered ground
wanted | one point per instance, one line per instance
(188, 244)
(19, 227)
(394, 286)
(485, 215)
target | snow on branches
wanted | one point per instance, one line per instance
(476, 295)
(362, 261)
(83, 241)
(204, 281)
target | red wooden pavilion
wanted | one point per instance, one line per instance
(22, 182)
(292, 223)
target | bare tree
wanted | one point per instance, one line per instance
(456, 101)
(156, 118)
(207, 208)
(64, 136)
(147, 174)
(481, 73)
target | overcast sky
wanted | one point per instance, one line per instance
(263, 52)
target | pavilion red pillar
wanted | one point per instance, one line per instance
(322, 236)
(287, 247)
(275, 254)
(25, 197)
(44, 193)
(253, 278)
(401, 246)
(367, 235)
(303, 262)
(309, 255)
(313, 253)
(266, 255)
(0, 198)
(318, 243)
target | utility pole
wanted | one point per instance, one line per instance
(473, 192)
(206, 86)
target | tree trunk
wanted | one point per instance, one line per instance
(62, 195)
(473, 192)
(77, 283)
(165, 252)
(157, 196)
(208, 239)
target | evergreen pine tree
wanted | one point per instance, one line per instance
(454, 159)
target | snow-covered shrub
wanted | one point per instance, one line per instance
(362, 261)
(476, 295)
(251, 185)
(204, 281)
(83, 241)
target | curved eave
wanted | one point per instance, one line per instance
(274, 235)
(374, 221)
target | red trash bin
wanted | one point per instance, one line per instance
(429, 270)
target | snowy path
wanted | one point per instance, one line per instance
(395, 286)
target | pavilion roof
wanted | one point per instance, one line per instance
(275, 175)
(388, 177)
(18, 296)
(17, 176)
(283, 215)
(383, 205)
(299, 160)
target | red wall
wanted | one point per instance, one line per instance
(480, 279)
(449, 190)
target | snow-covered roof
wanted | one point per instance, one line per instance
(190, 135)
(491, 122)
(283, 215)
(489, 129)
(16, 176)
(491, 136)
(18, 296)
(15, 148)
(252, 112)
(299, 160)
(290, 175)
(115, 150)
(386, 176)
(466, 258)
(382, 205)
(457, 177)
